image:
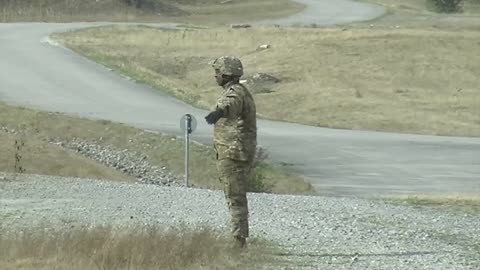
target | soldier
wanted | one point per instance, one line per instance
(235, 141)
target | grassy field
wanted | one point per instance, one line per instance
(180, 11)
(402, 80)
(418, 13)
(421, 6)
(144, 248)
(39, 157)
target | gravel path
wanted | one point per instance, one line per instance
(127, 162)
(316, 232)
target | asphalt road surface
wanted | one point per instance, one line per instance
(37, 74)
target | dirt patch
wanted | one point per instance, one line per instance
(261, 83)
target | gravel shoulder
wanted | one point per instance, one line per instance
(313, 232)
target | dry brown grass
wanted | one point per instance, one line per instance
(406, 6)
(134, 248)
(404, 80)
(40, 157)
(160, 150)
(189, 11)
(421, 6)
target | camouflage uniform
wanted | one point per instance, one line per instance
(235, 140)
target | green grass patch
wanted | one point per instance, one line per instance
(187, 12)
(469, 203)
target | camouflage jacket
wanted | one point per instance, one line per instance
(235, 134)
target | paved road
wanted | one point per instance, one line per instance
(338, 162)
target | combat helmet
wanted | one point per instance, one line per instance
(228, 65)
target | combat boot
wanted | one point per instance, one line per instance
(239, 242)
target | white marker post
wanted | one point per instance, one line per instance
(188, 125)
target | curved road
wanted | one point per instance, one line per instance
(36, 74)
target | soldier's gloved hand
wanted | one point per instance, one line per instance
(213, 117)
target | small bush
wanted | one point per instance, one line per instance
(257, 180)
(446, 6)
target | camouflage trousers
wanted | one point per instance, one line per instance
(234, 177)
